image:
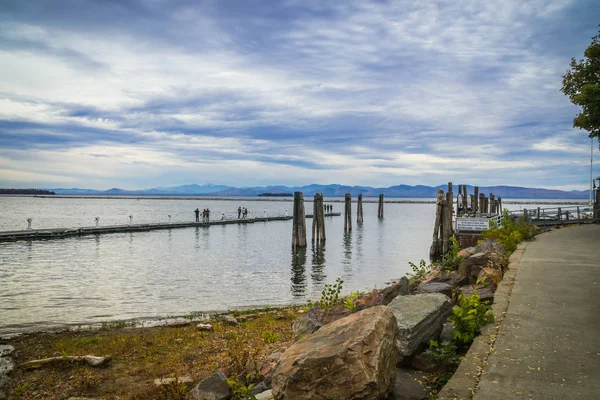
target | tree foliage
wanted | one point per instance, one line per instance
(582, 85)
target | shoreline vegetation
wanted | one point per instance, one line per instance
(286, 199)
(165, 362)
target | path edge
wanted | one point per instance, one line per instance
(464, 382)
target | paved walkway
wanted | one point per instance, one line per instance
(548, 346)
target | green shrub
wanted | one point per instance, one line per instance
(469, 316)
(240, 390)
(419, 271)
(443, 353)
(270, 337)
(330, 296)
(350, 301)
(450, 261)
(511, 233)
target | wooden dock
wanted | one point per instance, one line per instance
(57, 233)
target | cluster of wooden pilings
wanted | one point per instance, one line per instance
(476, 204)
(467, 205)
(318, 227)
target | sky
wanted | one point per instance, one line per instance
(138, 94)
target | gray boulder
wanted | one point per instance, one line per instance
(420, 319)
(212, 388)
(400, 288)
(352, 358)
(447, 330)
(6, 350)
(435, 287)
(490, 246)
(6, 365)
(453, 278)
(307, 323)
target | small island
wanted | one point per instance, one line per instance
(26, 191)
(276, 195)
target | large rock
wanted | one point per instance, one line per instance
(486, 293)
(352, 358)
(212, 388)
(420, 319)
(471, 266)
(435, 287)
(6, 350)
(6, 365)
(466, 252)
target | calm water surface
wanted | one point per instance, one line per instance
(89, 279)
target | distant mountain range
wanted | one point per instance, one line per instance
(419, 191)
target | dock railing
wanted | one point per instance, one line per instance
(557, 215)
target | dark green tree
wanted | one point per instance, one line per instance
(582, 84)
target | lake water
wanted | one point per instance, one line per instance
(90, 279)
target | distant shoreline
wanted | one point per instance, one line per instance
(287, 199)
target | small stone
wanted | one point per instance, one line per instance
(447, 332)
(486, 293)
(4, 381)
(168, 381)
(407, 388)
(205, 327)
(423, 362)
(6, 365)
(178, 340)
(259, 388)
(214, 387)
(6, 350)
(229, 320)
(266, 395)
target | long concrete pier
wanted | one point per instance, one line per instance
(57, 233)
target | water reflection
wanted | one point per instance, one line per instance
(318, 264)
(298, 272)
(347, 261)
(359, 245)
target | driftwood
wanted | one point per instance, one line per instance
(92, 361)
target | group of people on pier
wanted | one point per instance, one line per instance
(205, 215)
(242, 213)
(328, 207)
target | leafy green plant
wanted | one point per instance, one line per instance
(469, 316)
(443, 353)
(330, 296)
(270, 337)
(511, 233)
(350, 301)
(450, 261)
(240, 390)
(419, 271)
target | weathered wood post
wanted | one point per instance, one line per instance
(492, 204)
(465, 197)
(578, 214)
(481, 203)
(448, 229)
(500, 210)
(538, 213)
(299, 223)
(476, 199)
(348, 212)
(560, 215)
(434, 250)
(380, 208)
(359, 211)
(318, 227)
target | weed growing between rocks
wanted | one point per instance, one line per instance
(468, 316)
(330, 295)
(419, 272)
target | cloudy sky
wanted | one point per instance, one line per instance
(137, 94)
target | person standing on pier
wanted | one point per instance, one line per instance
(204, 215)
(239, 212)
(207, 215)
(197, 211)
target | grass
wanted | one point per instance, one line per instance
(140, 355)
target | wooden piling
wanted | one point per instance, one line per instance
(380, 208)
(448, 219)
(299, 222)
(435, 249)
(359, 211)
(500, 210)
(476, 199)
(465, 197)
(318, 226)
(492, 204)
(348, 212)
